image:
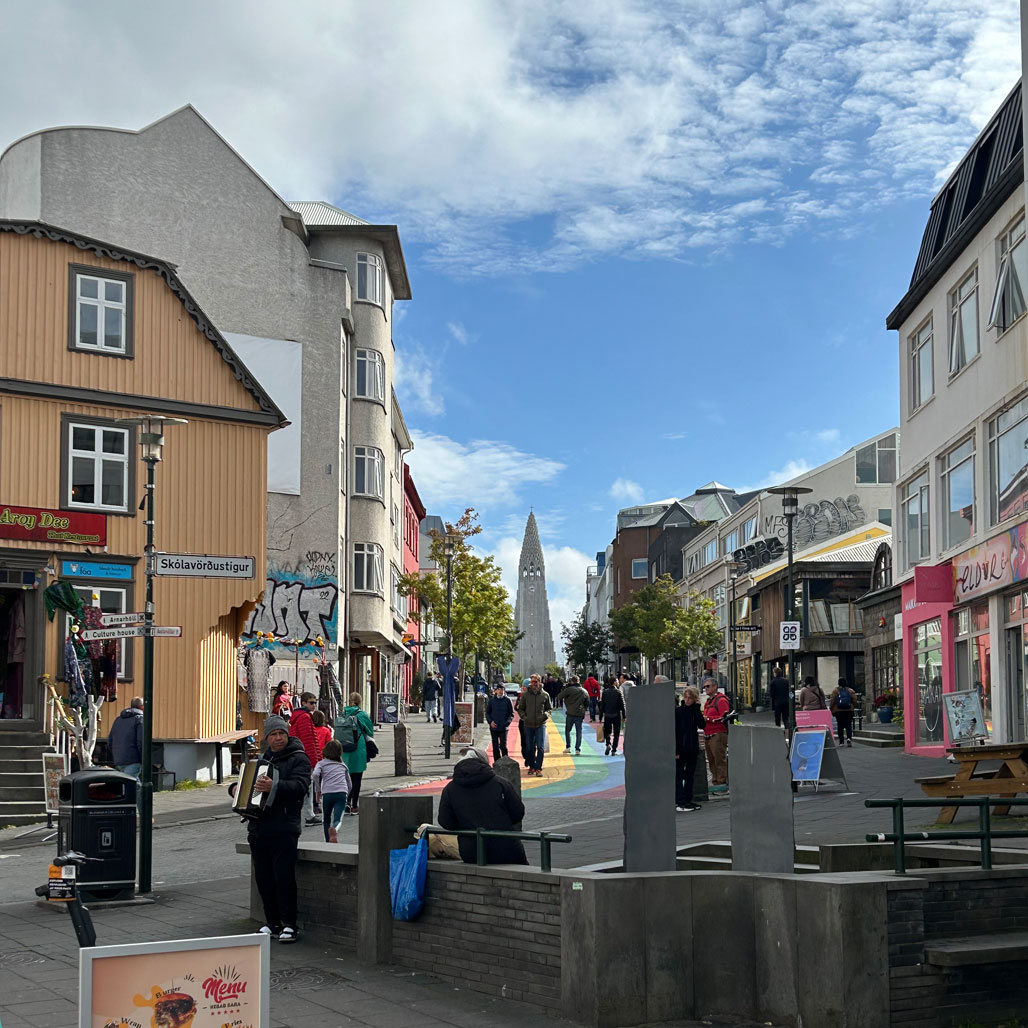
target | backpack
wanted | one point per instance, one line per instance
(844, 699)
(347, 732)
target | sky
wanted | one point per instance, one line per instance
(651, 243)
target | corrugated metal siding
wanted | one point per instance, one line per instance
(173, 359)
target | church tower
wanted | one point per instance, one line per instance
(532, 610)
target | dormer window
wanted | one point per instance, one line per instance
(100, 311)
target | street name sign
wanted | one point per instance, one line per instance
(789, 635)
(121, 619)
(167, 631)
(203, 565)
(122, 632)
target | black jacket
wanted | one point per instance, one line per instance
(612, 702)
(779, 689)
(499, 710)
(476, 798)
(126, 738)
(688, 721)
(284, 809)
(430, 690)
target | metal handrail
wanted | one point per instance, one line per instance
(986, 833)
(481, 834)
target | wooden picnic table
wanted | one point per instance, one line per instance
(1007, 780)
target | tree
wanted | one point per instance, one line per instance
(586, 644)
(553, 669)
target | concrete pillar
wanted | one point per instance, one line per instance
(650, 779)
(384, 824)
(403, 757)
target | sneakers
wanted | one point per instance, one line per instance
(578, 753)
(333, 835)
(313, 821)
(849, 742)
(272, 933)
(686, 810)
(606, 750)
(567, 749)
(288, 935)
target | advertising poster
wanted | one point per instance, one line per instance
(55, 767)
(190, 983)
(388, 708)
(965, 717)
(814, 719)
(808, 750)
(465, 714)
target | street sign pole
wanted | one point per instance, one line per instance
(146, 771)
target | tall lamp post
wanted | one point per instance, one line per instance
(790, 495)
(734, 568)
(449, 543)
(151, 448)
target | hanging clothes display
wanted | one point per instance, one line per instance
(78, 695)
(109, 670)
(92, 617)
(62, 595)
(258, 678)
(330, 695)
(241, 667)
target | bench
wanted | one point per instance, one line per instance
(967, 950)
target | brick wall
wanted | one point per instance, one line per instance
(327, 900)
(490, 930)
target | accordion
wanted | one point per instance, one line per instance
(247, 801)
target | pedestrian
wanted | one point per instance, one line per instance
(552, 686)
(301, 726)
(689, 721)
(357, 761)
(430, 694)
(592, 687)
(332, 782)
(715, 732)
(282, 702)
(575, 701)
(499, 712)
(477, 798)
(614, 713)
(779, 689)
(522, 733)
(322, 730)
(812, 696)
(534, 709)
(125, 741)
(842, 703)
(274, 834)
(626, 683)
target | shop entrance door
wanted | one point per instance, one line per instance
(1017, 658)
(17, 689)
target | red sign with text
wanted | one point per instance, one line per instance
(42, 524)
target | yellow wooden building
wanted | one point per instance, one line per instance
(91, 333)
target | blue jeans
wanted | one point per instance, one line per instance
(333, 806)
(576, 724)
(133, 769)
(534, 744)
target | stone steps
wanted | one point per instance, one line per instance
(22, 791)
(876, 735)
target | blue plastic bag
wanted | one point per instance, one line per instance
(407, 871)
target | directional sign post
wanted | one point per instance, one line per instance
(122, 632)
(167, 631)
(203, 565)
(108, 620)
(789, 635)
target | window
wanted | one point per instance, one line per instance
(367, 567)
(916, 519)
(96, 464)
(396, 526)
(921, 387)
(368, 472)
(730, 543)
(972, 664)
(369, 277)
(718, 594)
(639, 568)
(111, 601)
(963, 322)
(1008, 461)
(1008, 303)
(749, 530)
(370, 383)
(876, 462)
(885, 515)
(710, 552)
(694, 562)
(399, 600)
(887, 669)
(956, 482)
(881, 571)
(100, 311)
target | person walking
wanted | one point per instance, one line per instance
(715, 732)
(779, 690)
(534, 710)
(592, 687)
(843, 700)
(612, 709)
(332, 783)
(575, 700)
(125, 741)
(430, 694)
(274, 834)
(282, 701)
(357, 761)
(499, 712)
(812, 696)
(301, 726)
(689, 722)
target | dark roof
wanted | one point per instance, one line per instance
(990, 171)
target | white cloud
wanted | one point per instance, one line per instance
(627, 490)
(675, 435)
(790, 470)
(414, 380)
(459, 332)
(827, 436)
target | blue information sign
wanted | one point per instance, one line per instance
(808, 750)
(96, 569)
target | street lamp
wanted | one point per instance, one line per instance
(449, 544)
(735, 567)
(151, 446)
(790, 495)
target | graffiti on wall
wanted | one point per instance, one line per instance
(759, 553)
(300, 603)
(817, 520)
(320, 564)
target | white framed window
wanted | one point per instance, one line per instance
(112, 600)
(710, 552)
(369, 277)
(885, 515)
(730, 543)
(1008, 302)
(368, 472)
(101, 312)
(749, 529)
(963, 322)
(917, 519)
(370, 378)
(719, 595)
(399, 600)
(97, 462)
(956, 489)
(1008, 462)
(639, 566)
(367, 567)
(694, 562)
(396, 526)
(876, 462)
(921, 374)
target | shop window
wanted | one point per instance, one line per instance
(972, 665)
(97, 465)
(1008, 462)
(1016, 638)
(100, 311)
(112, 600)
(928, 666)
(956, 481)
(887, 669)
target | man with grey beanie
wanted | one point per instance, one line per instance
(273, 836)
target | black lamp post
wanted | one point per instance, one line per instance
(790, 495)
(734, 567)
(151, 447)
(449, 542)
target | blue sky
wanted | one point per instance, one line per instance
(650, 243)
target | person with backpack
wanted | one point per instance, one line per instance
(592, 687)
(843, 701)
(575, 701)
(716, 709)
(332, 782)
(353, 728)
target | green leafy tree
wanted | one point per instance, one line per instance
(553, 669)
(586, 644)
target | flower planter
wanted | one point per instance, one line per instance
(885, 715)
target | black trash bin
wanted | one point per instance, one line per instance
(97, 817)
